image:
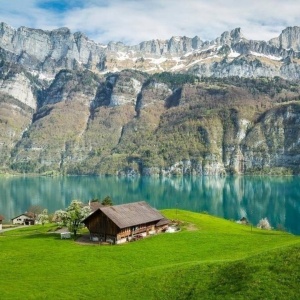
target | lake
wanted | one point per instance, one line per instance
(277, 198)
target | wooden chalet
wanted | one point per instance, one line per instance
(120, 223)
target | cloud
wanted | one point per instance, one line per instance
(133, 21)
(19, 13)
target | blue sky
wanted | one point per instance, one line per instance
(133, 21)
(59, 6)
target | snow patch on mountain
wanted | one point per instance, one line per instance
(272, 57)
(233, 54)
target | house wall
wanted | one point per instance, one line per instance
(0, 225)
(142, 229)
(101, 225)
(161, 228)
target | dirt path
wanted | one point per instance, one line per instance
(13, 228)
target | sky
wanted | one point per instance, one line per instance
(134, 21)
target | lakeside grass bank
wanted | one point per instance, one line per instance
(210, 258)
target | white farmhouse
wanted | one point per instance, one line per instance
(23, 219)
(1, 219)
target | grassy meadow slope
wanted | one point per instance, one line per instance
(210, 258)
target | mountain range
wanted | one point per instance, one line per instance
(69, 105)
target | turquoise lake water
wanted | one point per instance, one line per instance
(277, 198)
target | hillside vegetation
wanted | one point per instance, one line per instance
(210, 258)
(133, 123)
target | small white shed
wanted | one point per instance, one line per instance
(1, 219)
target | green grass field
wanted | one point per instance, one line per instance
(210, 258)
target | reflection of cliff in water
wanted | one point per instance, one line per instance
(276, 198)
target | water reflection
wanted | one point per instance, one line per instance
(276, 198)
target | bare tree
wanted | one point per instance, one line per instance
(34, 210)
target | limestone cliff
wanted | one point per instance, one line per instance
(44, 53)
(69, 105)
(130, 123)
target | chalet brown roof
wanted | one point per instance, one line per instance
(131, 214)
(1, 218)
(163, 222)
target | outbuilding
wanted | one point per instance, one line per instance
(120, 223)
(1, 220)
(23, 219)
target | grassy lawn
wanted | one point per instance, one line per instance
(210, 258)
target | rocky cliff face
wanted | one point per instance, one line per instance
(44, 53)
(274, 142)
(131, 123)
(71, 106)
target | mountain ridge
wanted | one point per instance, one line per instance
(50, 51)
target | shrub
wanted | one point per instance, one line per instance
(264, 224)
